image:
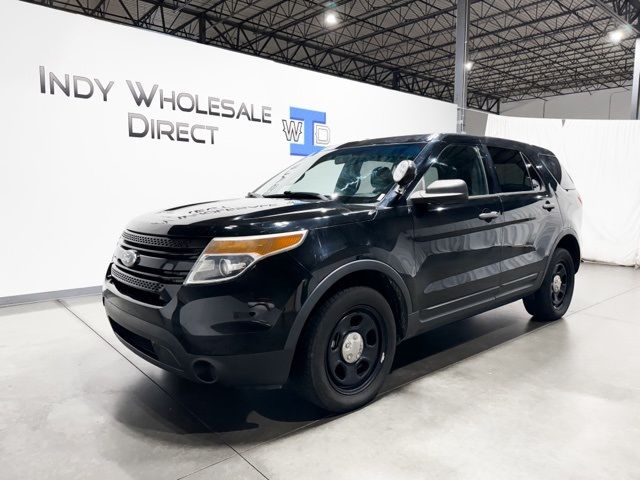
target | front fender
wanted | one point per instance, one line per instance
(330, 280)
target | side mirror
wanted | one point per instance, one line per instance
(404, 172)
(442, 192)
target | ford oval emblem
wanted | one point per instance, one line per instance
(129, 258)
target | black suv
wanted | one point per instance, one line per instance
(318, 274)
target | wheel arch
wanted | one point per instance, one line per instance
(371, 273)
(569, 241)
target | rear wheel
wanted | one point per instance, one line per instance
(347, 350)
(551, 301)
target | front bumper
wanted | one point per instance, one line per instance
(207, 338)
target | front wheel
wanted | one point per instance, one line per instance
(347, 350)
(551, 301)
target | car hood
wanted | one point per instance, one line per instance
(250, 216)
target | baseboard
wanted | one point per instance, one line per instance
(47, 296)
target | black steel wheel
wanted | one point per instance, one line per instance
(354, 350)
(551, 301)
(558, 286)
(347, 350)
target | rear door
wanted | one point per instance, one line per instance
(457, 245)
(531, 218)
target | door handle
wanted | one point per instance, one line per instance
(548, 206)
(488, 216)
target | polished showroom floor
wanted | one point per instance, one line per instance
(495, 396)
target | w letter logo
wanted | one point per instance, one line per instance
(310, 124)
(292, 130)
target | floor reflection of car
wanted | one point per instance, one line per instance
(315, 277)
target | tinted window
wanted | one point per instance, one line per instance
(462, 162)
(533, 173)
(559, 173)
(511, 170)
(553, 165)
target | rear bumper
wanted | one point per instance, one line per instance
(143, 329)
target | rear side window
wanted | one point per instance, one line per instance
(559, 173)
(512, 171)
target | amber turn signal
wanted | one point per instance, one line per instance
(258, 246)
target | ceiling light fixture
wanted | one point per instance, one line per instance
(616, 36)
(468, 66)
(331, 19)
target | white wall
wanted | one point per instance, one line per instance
(604, 104)
(71, 177)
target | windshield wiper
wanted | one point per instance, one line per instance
(289, 194)
(253, 195)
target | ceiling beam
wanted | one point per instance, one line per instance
(624, 11)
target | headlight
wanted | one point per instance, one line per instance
(227, 257)
(116, 251)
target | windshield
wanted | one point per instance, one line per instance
(357, 175)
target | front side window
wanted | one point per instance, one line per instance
(512, 171)
(458, 162)
(357, 175)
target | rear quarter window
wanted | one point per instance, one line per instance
(558, 171)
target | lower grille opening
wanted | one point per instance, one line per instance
(140, 295)
(135, 340)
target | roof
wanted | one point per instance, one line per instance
(421, 138)
(520, 49)
(445, 137)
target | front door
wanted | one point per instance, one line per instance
(457, 246)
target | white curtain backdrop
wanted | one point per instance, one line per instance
(603, 158)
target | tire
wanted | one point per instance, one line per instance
(549, 303)
(324, 374)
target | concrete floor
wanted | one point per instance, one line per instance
(495, 396)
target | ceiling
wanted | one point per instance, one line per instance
(520, 49)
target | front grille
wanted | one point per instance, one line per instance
(148, 285)
(154, 241)
(162, 261)
(169, 245)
